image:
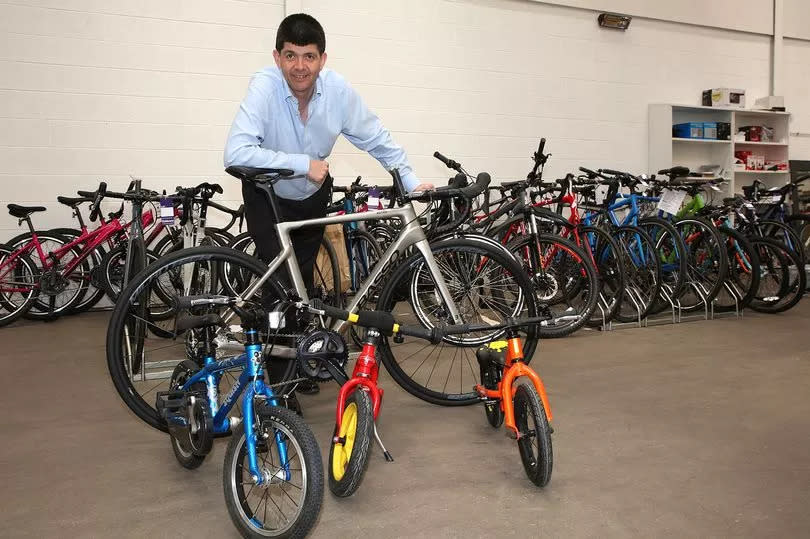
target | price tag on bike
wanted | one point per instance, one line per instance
(166, 211)
(373, 199)
(671, 201)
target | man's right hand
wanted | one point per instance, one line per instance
(318, 171)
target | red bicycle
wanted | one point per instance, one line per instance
(47, 274)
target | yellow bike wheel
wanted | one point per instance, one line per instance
(348, 453)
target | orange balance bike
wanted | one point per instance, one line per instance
(514, 393)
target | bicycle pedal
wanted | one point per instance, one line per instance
(168, 402)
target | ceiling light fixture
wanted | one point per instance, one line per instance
(614, 20)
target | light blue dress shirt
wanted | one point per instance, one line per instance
(267, 131)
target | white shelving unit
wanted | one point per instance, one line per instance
(666, 151)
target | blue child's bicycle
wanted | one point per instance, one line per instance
(273, 475)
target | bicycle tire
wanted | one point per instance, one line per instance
(45, 307)
(349, 450)
(94, 293)
(507, 275)
(364, 252)
(672, 251)
(274, 423)
(801, 225)
(699, 244)
(532, 423)
(610, 272)
(794, 280)
(784, 233)
(643, 273)
(566, 281)
(743, 272)
(117, 361)
(12, 309)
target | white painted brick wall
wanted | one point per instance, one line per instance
(797, 95)
(101, 89)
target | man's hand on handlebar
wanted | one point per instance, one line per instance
(424, 186)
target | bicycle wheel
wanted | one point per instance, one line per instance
(188, 457)
(707, 262)
(486, 285)
(349, 451)
(140, 361)
(742, 280)
(113, 268)
(288, 504)
(782, 277)
(59, 292)
(365, 252)
(92, 281)
(801, 225)
(534, 438)
(786, 234)
(18, 290)
(671, 250)
(610, 271)
(564, 279)
(642, 269)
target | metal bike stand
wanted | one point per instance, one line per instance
(666, 293)
(599, 303)
(635, 297)
(704, 295)
(734, 293)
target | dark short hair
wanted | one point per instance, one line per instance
(300, 29)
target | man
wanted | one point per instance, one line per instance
(291, 118)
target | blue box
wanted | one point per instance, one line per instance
(710, 130)
(689, 130)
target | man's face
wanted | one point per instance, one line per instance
(300, 66)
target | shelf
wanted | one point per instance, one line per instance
(727, 109)
(749, 143)
(761, 172)
(704, 140)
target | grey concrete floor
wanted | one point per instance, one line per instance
(695, 430)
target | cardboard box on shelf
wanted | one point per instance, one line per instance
(724, 97)
(710, 130)
(688, 130)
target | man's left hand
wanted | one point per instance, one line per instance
(426, 186)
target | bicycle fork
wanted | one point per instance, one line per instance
(364, 378)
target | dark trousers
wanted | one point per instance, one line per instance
(306, 241)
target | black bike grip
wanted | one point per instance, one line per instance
(433, 335)
(328, 310)
(482, 181)
(611, 172)
(441, 158)
(99, 194)
(381, 320)
(187, 321)
(541, 147)
(588, 171)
